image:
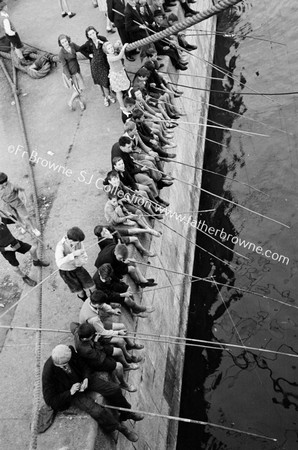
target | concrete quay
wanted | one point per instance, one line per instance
(81, 142)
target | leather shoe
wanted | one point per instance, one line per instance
(136, 416)
(40, 263)
(29, 281)
(190, 47)
(181, 67)
(130, 435)
(161, 201)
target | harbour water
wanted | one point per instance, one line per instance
(248, 390)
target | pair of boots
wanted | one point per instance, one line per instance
(187, 10)
(137, 309)
(28, 280)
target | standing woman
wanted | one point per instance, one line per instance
(71, 70)
(92, 49)
(118, 77)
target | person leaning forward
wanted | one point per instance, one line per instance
(68, 381)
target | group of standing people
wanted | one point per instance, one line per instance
(134, 20)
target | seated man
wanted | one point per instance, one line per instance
(67, 381)
(164, 46)
(99, 357)
(117, 291)
(117, 255)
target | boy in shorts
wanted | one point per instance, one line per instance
(9, 246)
(70, 257)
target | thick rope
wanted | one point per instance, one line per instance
(199, 17)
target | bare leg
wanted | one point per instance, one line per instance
(120, 342)
(18, 271)
(118, 356)
(19, 53)
(119, 96)
(134, 306)
(64, 6)
(72, 99)
(33, 252)
(136, 275)
(135, 241)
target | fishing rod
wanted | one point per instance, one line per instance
(231, 35)
(218, 344)
(202, 136)
(21, 225)
(234, 251)
(43, 280)
(200, 343)
(267, 297)
(197, 422)
(220, 6)
(215, 173)
(246, 117)
(168, 212)
(221, 198)
(229, 314)
(264, 94)
(188, 75)
(253, 91)
(223, 109)
(247, 133)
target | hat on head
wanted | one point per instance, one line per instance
(3, 176)
(158, 12)
(61, 354)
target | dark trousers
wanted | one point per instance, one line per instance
(112, 393)
(172, 53)
(103, 416)
(124, 38)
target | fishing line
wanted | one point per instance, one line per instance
(232, 35)
(221, 198)
(201, 248)
(200, 343)
(267, 297)
(197, 422)
(218, 174)
(218, 242)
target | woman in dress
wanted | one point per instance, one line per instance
(119, 80)
(99, 65)
(72, 77)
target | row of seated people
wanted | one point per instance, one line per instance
(101, 342)
(138, 20)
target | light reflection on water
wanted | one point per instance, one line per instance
(253, 391)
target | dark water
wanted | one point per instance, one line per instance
(249, 390)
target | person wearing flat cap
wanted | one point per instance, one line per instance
(67, 381)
